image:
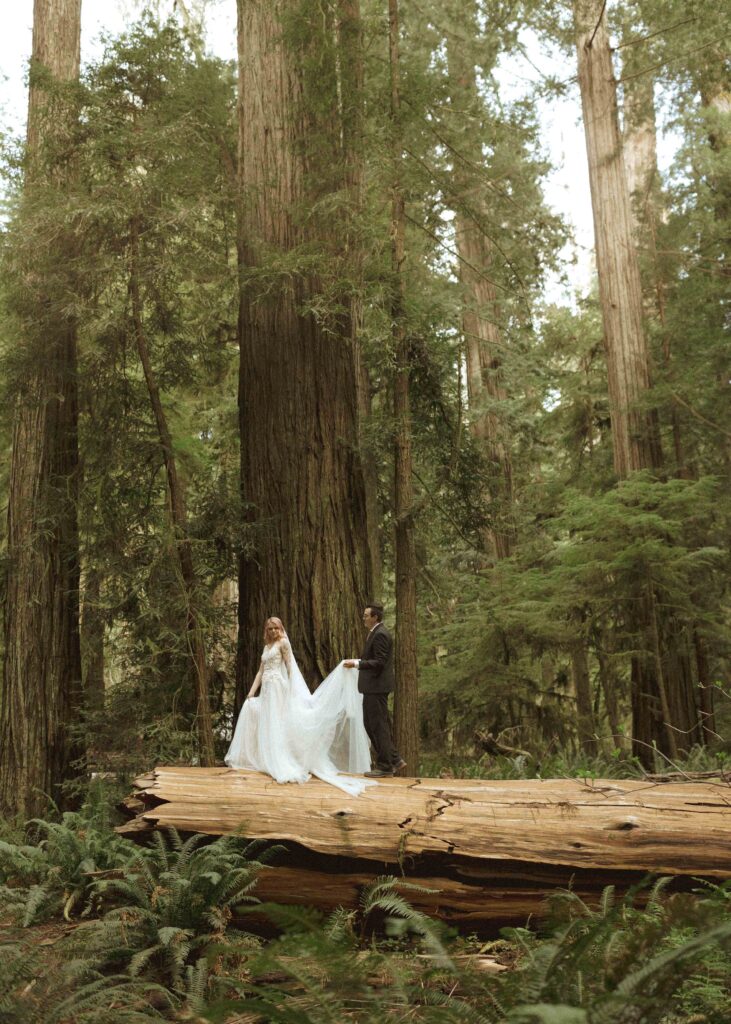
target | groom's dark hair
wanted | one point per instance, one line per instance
(377, 610)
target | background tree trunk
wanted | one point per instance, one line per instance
(406, 698)
(620, 289)
(661, 684)
(585, 727)
(92, 639)
(640, 157)
(179, 518)
(350, 74)
(481, 313)
(41, 688)
(301, 473)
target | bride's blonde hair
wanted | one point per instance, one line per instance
(278, 623)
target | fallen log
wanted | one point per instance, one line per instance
(491, 851)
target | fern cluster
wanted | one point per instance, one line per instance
(163, 947)
(58, 874)
(174, 903)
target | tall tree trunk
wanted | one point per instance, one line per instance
(41, 686)
(406, 701)
(92, 639)
(657, 691)
(301, 472)
(640, 157)
(481, 312)
(705, 688)
(350, 92)
(179, 518)
(585, 727)
(639, 141)
(620, 289)
(609, 683)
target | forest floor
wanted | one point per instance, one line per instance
(161, 932)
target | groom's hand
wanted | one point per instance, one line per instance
(350, 664)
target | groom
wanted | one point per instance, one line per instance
(375, 682)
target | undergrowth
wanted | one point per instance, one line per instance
(173, 932)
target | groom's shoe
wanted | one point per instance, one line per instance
(400, 765)
(379, 773)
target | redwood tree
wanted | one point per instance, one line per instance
(483, 341)
(664, 711)
(41, 685)
(302, 480)
(406, 704)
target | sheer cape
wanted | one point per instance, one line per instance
(291, 734)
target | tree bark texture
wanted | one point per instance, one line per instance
(620, 289)
(661, 681)
(350, 81)
(92, 639)
(41, 686)
(301, 471)
(640, 141)
(178, 515)
(640, 157)
(492, 850)
(406, 698)
(609, 685)
(585, 727)
(483, 338)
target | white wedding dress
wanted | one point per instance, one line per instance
(289, 733)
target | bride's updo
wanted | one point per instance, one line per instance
(276, 624)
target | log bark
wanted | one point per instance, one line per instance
(492, 850)
(41, 681)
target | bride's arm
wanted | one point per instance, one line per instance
(256, 684)
(286, 649)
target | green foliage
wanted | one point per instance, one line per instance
(580, 583)
(613, 965)
(17, 967)
(92, 998)
(59, 873)
(166, 947)
(173, 904)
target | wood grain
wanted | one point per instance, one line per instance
(492, 850)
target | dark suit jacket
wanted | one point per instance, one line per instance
(375, 672)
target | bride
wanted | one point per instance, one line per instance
(290, 733)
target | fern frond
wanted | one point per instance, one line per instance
(545, 1013)
(141, 959)
(38, 900)
(636, 989)
(654, 902)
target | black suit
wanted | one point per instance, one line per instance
(375, 682)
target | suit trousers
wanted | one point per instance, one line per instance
(377, 722)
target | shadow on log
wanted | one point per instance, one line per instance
(491, 851)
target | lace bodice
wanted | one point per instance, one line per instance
(273, 661)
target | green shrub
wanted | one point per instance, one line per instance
(173, 904)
